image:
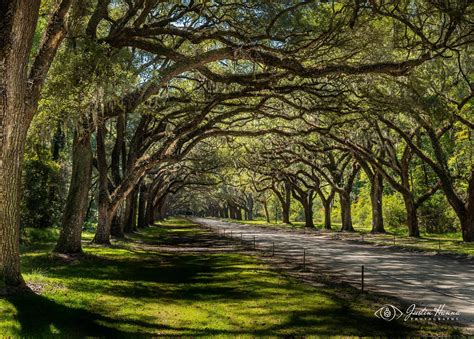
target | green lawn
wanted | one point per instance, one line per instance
(158, 284)
(446, 242)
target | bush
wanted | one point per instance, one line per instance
(297, 214)
(362, 208)
(34, 235)
(437, 216)
(394, 212)
(41, 201)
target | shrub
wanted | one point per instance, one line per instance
(362, 208)
(437, 216)
(41, 201)
(34, 235)
(394, 213)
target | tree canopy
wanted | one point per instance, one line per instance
(121, 112)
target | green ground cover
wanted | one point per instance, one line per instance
(159, 283)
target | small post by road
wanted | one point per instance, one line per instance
(439, 244)
(254, 245)
(362, 278)
(273, 249)
(394, 240)
(304, 258)
(362, 237)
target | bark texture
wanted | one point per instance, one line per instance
(75, 210)
(412, 218)
(17, 24)
(104, 222)
(265, 208)
(346, 213)
(376, 196)
(467, 222)
(327, 215)
(308, 215)
(19, 95)
(142, 199)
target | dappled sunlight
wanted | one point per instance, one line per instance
(117, 290)
(235, 168)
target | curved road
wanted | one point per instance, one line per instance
(420, 278)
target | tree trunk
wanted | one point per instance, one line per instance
(308, 214)
(75, 211)
(133, 220)
(131, 210)
(467, 223)
(117, 224)
(19, 95)
(142, 199)
(149, 216)
(17, 25)
(10, 180)
(412, 218)
(238, 215)
(286, 205)
(265, 208)
(150, 211)
(285, 214)
(376, 196)
(327, 215)
(250, 203)
(463, 209)
(285, 201)
(127, 212)
(102, 234)
(117, 150)
(235, 212)
(467, 226)
(346, 213)
(162, 208)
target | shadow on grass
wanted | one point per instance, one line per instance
(39, 316)
(229, 284)
(142, 275)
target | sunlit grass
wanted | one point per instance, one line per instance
(137, 289)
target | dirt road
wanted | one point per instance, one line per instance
(425, 279)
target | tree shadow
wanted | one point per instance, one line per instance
(184, 277)
(40, 316)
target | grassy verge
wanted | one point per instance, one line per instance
(176, 279)
(446, 242)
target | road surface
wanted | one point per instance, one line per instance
(424, 279)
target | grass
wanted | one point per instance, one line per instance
(158, 283)
(446, 242)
